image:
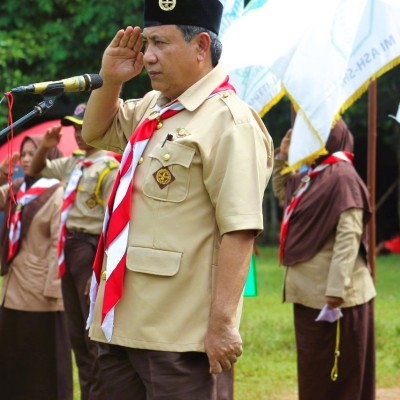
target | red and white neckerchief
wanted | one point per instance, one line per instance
(23, 198)
(69, 199)
(114, 238)
(304, 185)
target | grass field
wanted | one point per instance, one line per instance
(267, 369)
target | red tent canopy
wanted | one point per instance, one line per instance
(67, 143)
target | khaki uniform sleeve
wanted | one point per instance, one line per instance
(345, 251)
(53, 207)
(127, 119)
(237, 177)
(59, 168)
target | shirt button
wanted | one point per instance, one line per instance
(140, 160)
(104, 275)
(166, 157)
(159, 125)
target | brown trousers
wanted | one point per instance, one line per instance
(35, 356)
(80, 251)
(315, 354)
(136, 374)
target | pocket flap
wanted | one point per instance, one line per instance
(173, 153)
(153, 261)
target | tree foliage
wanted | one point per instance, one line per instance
(54, 39)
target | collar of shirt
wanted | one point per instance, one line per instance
(96, 154)
(193, 97)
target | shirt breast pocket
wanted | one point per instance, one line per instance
(168, 176)
(88, 183)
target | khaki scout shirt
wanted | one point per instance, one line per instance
(87, 213)
(32, 282)
(337, 270)
(220, 157)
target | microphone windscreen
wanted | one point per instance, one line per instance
(96, 81)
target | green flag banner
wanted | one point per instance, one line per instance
(250, 288)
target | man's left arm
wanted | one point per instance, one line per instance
(223, 342)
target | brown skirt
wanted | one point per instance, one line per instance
(315, 354)
(35, 356)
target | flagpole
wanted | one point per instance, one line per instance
(371, 173)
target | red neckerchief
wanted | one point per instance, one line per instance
(304, 185)
(23, 198)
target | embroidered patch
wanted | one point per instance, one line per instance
(91, 202)
(163, 177)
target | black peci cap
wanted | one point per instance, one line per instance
(203, 13)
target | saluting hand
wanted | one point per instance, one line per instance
(5, 166)
(285, 144)
(52, 137)
(123, 58)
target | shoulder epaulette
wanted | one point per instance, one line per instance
(78, 153)
(112, 164)
(239, 113)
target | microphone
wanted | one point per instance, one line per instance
(81, 83)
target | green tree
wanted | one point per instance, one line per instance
(53, 39)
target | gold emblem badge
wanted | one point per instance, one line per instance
(91, 202)
(163, 177)
(167, 5)
(182, 132)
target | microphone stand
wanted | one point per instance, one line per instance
(38, 110)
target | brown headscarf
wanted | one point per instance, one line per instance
(30, 209)
(52, 154)
(332, 191)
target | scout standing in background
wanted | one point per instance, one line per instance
(35, 351)
(88, 177)
(327, 277)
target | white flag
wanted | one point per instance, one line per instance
(233, 9)
(324, 52)
(256, 85)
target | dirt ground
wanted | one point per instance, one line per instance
(381, 394)
(388, 394)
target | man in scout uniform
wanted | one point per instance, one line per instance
(88, 176)
(186, 206)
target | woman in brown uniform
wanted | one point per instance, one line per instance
(35, 352)
(326, 211)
